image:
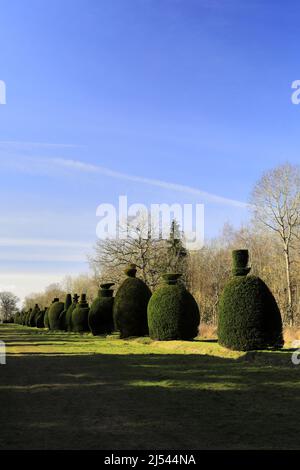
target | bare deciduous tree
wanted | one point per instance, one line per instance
(81, 284)
(276, 203)
(44, 299)
(152, 256)
(8, 305)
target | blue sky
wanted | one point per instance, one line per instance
(190, 92)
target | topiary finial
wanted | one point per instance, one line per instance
(130, 270)
(240, 259)
(107, 285)
(171, 278)
(105, 289)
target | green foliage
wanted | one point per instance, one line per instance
(28, 317)
(46, 318)
(24, 322)
(240, 260)
(17, 318)
(70, 311)
(101, 312)
(173, 313)
(31, 320)
(80, 316)
(40, 319)
(130, 270)
(63, 315)
(54, 314)
(177, 253)
(130, 306)
(34, 315)
(249, 317)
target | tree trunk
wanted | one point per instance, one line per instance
(289, 287)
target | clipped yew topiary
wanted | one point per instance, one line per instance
(63, 315)
(173, 312)
(249, 317)
(80, 316)
(17, 319)
(101, 311)
(31, 321)
(70, 311)
(130, 305)
(28, 317)
(46, 317)
(54, 314)
(34, 315)
(40, 319)
(240, 260)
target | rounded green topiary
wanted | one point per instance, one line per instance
(80, 316)
(173, 312)
(101, 311)
(54, 314)
(28, 317)
(40, 319)
(17, 319)
(46, 317)
(130, 306)
(34, 315)
(63, 315)
(249, 317)
(70, 311)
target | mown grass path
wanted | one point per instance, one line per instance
(66, 391)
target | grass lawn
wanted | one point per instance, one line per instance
(67, 391)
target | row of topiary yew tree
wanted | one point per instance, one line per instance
(249, 317)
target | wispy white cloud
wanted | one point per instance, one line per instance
(24, 283)
(39, 257)
(43, 250)
(41, 164)
(91, 168)
(24, 144)
(42, 242)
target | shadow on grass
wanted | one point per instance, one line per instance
(139, 401)
(143, 401)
